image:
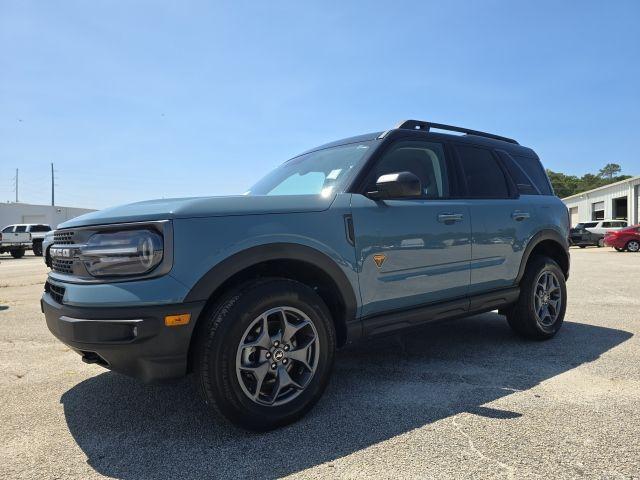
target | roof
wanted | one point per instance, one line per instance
(621, 182)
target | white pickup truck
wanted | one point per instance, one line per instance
(17, 239)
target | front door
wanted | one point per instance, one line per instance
(414, 251)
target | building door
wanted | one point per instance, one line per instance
(573, 213)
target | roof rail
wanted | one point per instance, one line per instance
(426, 126)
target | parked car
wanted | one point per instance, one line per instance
(592, 233)
(17, 239)
(625, 239)
(359, 237)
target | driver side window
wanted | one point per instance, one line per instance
(424, 159)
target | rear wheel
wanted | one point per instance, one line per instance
(539, 311)
(619, 249)
(264, 354)
(582, 246)
(17, 253)
(633, 246)
(601, 243)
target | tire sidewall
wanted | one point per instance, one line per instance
(220, 381)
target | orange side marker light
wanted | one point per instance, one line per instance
(177, 320)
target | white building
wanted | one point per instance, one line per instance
(11, 213)
(620, 200)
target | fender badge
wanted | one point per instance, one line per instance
(379, 258)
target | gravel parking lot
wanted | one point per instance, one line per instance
(459, 400)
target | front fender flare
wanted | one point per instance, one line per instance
(244, 259)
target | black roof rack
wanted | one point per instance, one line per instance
(426, 126)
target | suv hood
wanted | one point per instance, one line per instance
(167, 209)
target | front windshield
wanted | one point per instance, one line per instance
(323, 172)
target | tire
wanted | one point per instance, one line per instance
(222, 374)
(17, 253)
(582, 246)
(633, 246)
(522, 317)
(37, 249)
(601, 243)
(619, 249)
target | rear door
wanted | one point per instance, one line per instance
(414, 251)
(502, 220)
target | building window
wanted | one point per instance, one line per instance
(597, 209)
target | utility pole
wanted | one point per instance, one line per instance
(16, 185)
(53, 197)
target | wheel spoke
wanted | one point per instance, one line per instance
(290, 329)
(260, 373)
(283, 381)
(263, 340)
(301, 355)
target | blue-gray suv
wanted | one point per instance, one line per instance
(252, 294)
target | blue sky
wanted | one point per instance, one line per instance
(139, 100)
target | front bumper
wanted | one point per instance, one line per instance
(129, 340)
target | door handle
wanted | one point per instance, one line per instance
(449, 217)
(519, 216)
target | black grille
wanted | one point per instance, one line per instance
(63, 238)
(56, 292)
(62, 266)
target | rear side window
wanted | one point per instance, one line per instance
(39, 228)
(484, 177)
(21, 228)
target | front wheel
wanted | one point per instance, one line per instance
(37, 249)
(264, 354)
(539, 311)
(633, 246)
(601, 243)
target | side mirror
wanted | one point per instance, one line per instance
(397, 185)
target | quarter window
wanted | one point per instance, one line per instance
(21, 228)
(535, 172)
(484, 176)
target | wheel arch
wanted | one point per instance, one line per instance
(286, 260)
(549, 243)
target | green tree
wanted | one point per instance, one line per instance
(567, 185)
(610, 170)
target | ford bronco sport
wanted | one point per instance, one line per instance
(252, 294)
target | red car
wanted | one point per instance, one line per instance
(625, 239)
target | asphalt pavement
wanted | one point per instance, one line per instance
(463, 399)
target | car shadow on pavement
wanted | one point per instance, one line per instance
(379, 389)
